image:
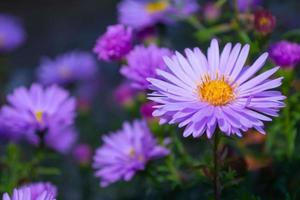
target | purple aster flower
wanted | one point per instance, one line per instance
(201, 92)
(142, 63)
(141, 14)
(40, 112)
(125, 152)
(82, 154)
(67, 68)
(34, 191)
(12, 34)
(115, 43)
(246, 5)
(285, 54)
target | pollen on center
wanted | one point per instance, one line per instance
(158, 6)
(39, 116)
(216, 92)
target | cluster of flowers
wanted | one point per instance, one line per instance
(196, 91)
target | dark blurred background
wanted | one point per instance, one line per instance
(57, 26)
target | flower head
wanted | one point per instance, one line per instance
(124, 94)
(246, 5)
(67, 68)
(202, 93)
(125, 152)
(34, 191)
(142, 63)
(40, 112)
(147, 109)
(115, 43)
(285, 54)
(211, 11)
(82, 154)
(142, 14)
(264, 22)
(12, 34)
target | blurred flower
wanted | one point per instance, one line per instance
(86, 93)
(247, 5)
(39, 112)
(34, 191)
(264, 22)
(203, 93)
(184, 8)
(285, 54)
(82, 154)
(124, 94)
(142, 63)
(254, 164)
(211, 11)
(125, 152)
(147, 109)
(12, 33)
(115, 43)
(67, 68)
(252, 137)
(147, 35)
(38, 188)
(141, 14)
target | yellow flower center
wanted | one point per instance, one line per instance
(39, 116)
(216, 92)
(157, 6)
(264, 21)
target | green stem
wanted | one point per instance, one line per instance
(289, 77)
(216, 180)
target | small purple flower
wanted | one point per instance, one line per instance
(147, 109)
(67, 68)
(211, 11)
(12, 33)
(285, 54)
(86, 93)
(202, 93)
(115, 43)
(124, 94)
(142, 63)
(246, 5)
(125, 152)
(141, 14)
(40, 112)
(82, 154)
(33, 191)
